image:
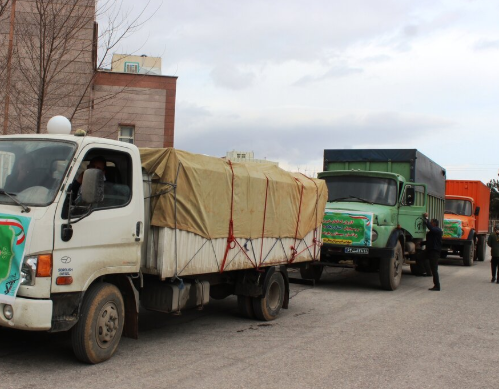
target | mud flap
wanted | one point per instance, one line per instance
(131, 301)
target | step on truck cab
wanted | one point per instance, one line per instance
(91, 228)
(373, 219)
(466, 220)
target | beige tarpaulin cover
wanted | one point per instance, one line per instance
(263, 196)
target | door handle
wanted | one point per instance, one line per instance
(138, 228)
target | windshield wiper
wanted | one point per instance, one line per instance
(352, 197)
(12, 197)
(454, 213)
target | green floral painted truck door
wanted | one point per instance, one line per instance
(349, 228)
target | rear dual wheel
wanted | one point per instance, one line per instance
(268, 306)
(469, 254)
(481, 249)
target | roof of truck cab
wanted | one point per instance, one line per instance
(81, 140)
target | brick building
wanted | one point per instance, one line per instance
(132, 103)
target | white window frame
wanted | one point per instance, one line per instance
(126, 138)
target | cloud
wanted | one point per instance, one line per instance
(229, 76)
(304, 141)
(486, 45)
(190, 114)
(334, 72)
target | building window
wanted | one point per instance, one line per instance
(131, 67)
(127, 134)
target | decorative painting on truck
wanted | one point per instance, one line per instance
(453, 228)
(13, 232)
(350, 228)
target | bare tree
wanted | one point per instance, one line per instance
(5, 48)
(4, 4)
(117, 25)
(57, 54)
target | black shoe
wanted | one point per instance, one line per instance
(493, 279)
(435, 288)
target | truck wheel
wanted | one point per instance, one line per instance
(481, 249)
(390, 269)
(468, 254)
(96, 336)
(267, 307)
(245, 306)
(310, 272)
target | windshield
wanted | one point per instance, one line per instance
(363, 189)
(458, 207)
(31, 170)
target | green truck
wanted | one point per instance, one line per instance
(373, 220)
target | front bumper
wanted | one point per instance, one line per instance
(29, 315)
(449, 243)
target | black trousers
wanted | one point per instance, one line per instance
(430, 264)
(494, 265)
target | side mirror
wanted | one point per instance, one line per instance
(92, 187)
(477, 211)
(66, 232)
(410, 194)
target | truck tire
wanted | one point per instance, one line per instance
(469, 254)
(390, 269)
(481, 249)
(310, 272)
(97, 334)
(267, 307)
(245, 306)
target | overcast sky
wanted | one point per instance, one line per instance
(288, 79)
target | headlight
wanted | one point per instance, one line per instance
(375, 235)
(8, 311)
(28, 271)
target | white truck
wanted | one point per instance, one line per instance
(159, 228)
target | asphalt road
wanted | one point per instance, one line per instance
(343, 333)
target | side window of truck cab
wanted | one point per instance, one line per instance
(117, 170)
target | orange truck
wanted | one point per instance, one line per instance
(466, 220)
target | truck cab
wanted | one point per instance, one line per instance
(466, 220)
(374, 214)
(363, 222)
(63, 256)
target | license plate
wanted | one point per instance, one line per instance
(356, 250)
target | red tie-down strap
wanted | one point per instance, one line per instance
(264, 219)
(231, 240)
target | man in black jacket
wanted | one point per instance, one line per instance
(433, 248)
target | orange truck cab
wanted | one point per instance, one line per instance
(466, 220)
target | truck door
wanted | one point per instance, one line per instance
(412, 206)
(104, 235)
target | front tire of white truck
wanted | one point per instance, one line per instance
(390, 269)
(97, 334)
(267, 307)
